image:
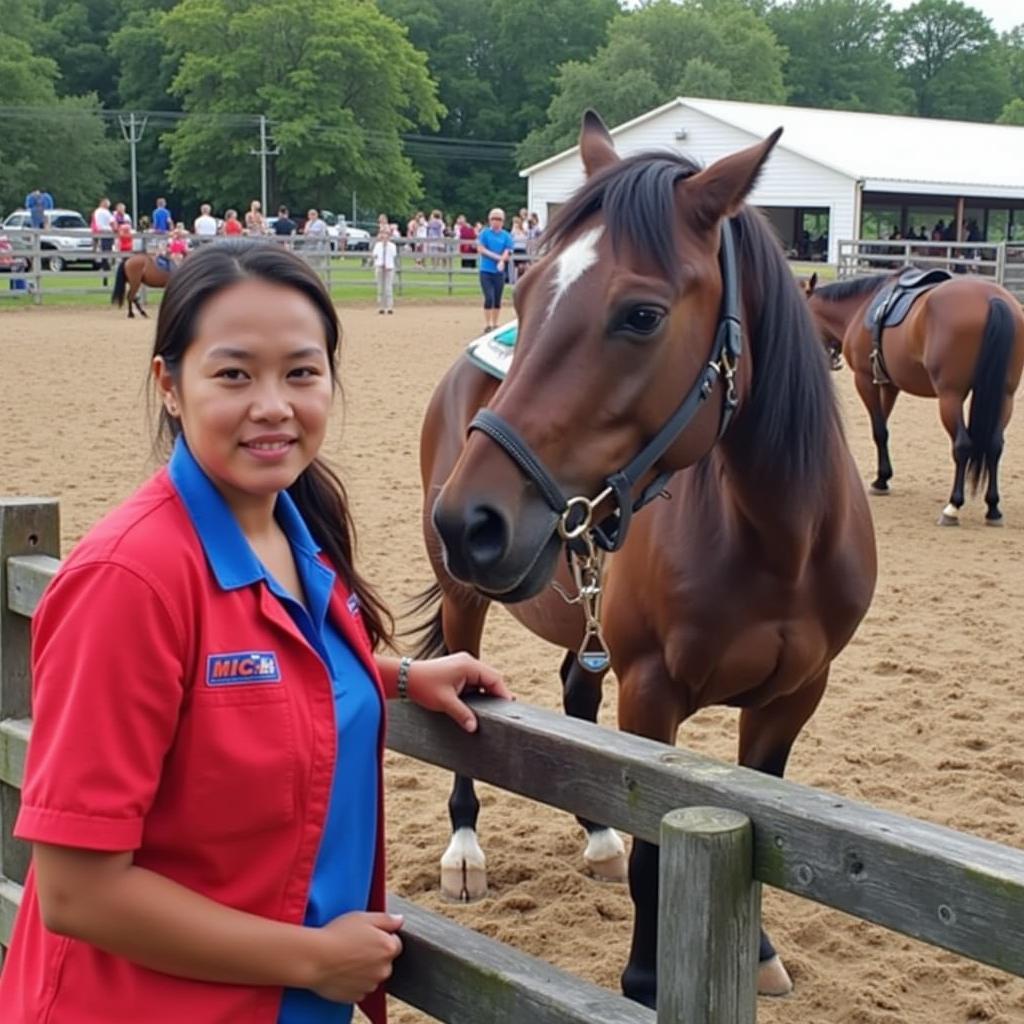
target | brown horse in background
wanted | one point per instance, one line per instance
(134, 272)
(963, 337)
(662, 319)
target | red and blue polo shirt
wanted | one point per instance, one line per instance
(189, 710)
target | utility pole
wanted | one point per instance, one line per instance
(263, 152)
(132, 131)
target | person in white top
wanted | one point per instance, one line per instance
(205, 225)
(385, 256)
(102, 227)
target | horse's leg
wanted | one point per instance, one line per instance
(766, 737)
(142, 311)
(951, 412)
(878, 400)
(994, 517)
(605, 855)
(463, 865)
(646, 709)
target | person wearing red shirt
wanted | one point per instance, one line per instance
(232, 225)
(203, 783)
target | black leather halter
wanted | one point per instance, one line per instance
(610, 533)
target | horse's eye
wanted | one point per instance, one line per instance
(643, 319)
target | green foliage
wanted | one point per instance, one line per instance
(841, 55)
(952, 60)
(57, 143)
(1013, 112)
(495, 63)
(714, 48)
(338, 80)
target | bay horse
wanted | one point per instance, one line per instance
(963, 337)
(133, 273)
(661, 319)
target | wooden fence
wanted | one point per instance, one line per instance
(1001, 261)
(435, 265)
(737, 829)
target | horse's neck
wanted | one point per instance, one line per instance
(783, 524)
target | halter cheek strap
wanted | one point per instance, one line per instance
(610, 534)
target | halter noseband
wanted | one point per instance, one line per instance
(575, 514)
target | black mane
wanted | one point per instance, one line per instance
(851, 288)
(787, 425)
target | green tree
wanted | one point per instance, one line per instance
(55, 143)
(841, 56)
(952, 59)
(1013, 112)
(338, 80)
(495, 64)
(721, 47)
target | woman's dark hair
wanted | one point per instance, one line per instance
(318, 493)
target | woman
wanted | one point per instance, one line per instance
(232, 225)
(494, 250)
(203, 781)
(255, 223)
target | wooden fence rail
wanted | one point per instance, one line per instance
(946, 888)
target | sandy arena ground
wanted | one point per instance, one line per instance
(924, 714)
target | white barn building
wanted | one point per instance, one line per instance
(834, 174)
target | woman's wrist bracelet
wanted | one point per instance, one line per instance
(404, 665)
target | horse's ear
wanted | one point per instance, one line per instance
(812, 283)
(596, 146)
(719, 190)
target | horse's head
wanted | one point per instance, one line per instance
(621, 323)
(829, 329)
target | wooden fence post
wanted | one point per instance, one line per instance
(28, 526)
(708, 919)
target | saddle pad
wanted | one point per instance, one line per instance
(493, 351)
(892, 304)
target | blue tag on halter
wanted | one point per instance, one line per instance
(594, 661)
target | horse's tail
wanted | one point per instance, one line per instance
(430, 633)
(989, 388)
(117, 295)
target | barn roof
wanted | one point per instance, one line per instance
(884, 151)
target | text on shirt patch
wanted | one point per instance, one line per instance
(242, 667)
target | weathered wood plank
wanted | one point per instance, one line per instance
(28, 526)
(27, 577)
(10, 900)
(932, 883)
(14, 734)
(707, 853)
(459, 976)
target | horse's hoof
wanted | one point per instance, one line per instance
(880, 489)
(773, 979)
(945, 520)
(464, 868)
(463, 884)
(605, 856)
(615, 869)
(994, 522)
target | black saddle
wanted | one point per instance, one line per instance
(891, 306)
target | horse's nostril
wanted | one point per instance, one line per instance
(486, 536)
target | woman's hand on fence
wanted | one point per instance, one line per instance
(437, 685)
(356, 955)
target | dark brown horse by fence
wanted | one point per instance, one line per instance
(132, 274)
(963, 337)
(662, 320)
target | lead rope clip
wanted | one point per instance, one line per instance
(587, 570)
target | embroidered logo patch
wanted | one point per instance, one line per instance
(242, 667)
(353, 604)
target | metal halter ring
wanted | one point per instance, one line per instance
(571, 533)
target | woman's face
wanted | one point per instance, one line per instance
(254, 390)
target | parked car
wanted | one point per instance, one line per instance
(67, 248)
(356, 239)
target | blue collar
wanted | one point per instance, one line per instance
(231, 558)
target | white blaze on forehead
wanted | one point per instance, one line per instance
(575, 260)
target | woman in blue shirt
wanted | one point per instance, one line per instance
(494, 247)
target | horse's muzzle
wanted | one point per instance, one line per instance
(507, 560)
